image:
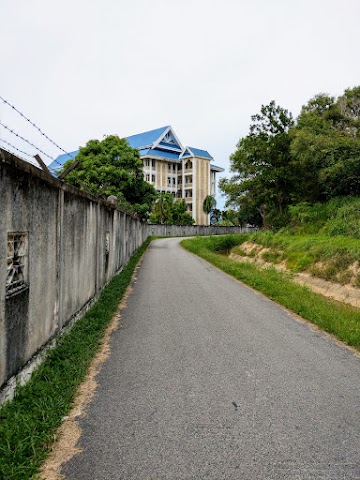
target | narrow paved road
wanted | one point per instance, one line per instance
(209, 380)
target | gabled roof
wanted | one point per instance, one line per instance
(199, 153)
(146, 139)
(161, 142)
(160, 153)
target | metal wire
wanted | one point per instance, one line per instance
(13, 146)
(35, 126)
(27, 141)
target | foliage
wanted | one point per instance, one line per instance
(166, 211)
(282, 163)
(209, 204)
(326, 147)
(264, 175)
(216, 215)
(112, 167)
(339, 320)
(29, 423)
(338, 216)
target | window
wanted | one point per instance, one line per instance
(174, 168)
(153, 178)
(147, 162)
(169, 167)
(16, 262)
(169, 181)
(179, 180)
(153, 163)
(148, 178)
(174, 181)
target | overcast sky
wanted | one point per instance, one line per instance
(84, 69)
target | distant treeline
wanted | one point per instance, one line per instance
(284, 162)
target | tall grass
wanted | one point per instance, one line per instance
(339, 216)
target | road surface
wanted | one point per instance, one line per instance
(209, 380)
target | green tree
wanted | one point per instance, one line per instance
(208, 204)
(326, 147)
(264, 176)
(162, 211)
(166, 211)
(112, 167)
(216, 215)
(180, 215)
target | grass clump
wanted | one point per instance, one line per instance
(338, 216)
(28, 424)
(323, 256)
(340, 320)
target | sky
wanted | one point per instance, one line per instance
(85, 69)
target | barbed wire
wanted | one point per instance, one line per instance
(54, 169)
(16, 148)
(35, 126)
(32, 162)
(27, 141)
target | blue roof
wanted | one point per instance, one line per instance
(169, 145)
(139, 141)
(161, 153)
(58, 163)
(200, 153)
(146, 138)
(143, 151)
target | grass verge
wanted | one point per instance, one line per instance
(340, 320)
(28, 424)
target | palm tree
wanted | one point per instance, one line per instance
(163, 206)
(209, 204)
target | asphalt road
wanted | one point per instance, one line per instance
(209, 380)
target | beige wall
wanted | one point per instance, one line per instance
(202, 177)
(200, 187)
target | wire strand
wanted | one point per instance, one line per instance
(35, 126)
(13, 146)
(27, 141)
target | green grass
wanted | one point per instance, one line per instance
(323, 256)
(340, 320)
(338, 216)
(28, 424)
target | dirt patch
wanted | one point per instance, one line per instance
(342, 293)
(69, 432)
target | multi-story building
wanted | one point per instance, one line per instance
(185, 172)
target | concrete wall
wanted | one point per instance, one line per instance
(75, 243)
(192, 230)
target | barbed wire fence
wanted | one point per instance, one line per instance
(29, 157)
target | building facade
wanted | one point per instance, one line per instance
(185, 172)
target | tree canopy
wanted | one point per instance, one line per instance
(112, 167)
(168, 211)
(282, 162)
(209, 204)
